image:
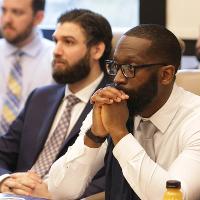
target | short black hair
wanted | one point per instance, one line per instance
(97, 29)
(165, 47)
(38, 5)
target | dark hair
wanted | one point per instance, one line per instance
(165, 47)
(97, 29)
(38, 5)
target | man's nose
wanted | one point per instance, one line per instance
(58, 50)
(6, 18)
(120, 78)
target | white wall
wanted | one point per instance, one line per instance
(183, 18)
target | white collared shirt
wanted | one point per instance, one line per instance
(177, 150)
(36, 65)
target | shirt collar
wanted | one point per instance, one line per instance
(32, 49)
(163, 117)
(85, 94)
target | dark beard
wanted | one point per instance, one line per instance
(72, 73)
(140, 99)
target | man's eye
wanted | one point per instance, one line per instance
(69, 42)
(17, 12)
(131, 67)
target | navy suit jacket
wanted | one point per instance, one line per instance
(20, 147)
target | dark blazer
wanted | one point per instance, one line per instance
(20, 147)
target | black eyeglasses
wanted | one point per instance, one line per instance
(128, 70)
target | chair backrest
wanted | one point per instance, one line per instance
(189, 80)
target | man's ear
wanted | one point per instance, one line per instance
(97, 50)
(39, 15)
(167, 74)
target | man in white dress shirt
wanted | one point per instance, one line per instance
(19, 21)
(150, 126)
(83, 41)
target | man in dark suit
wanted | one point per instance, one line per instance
(83, 42)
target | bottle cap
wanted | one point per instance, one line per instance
(173, 184)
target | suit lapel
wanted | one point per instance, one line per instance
(51, 106)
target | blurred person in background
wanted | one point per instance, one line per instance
(26, 56)
(192, 61)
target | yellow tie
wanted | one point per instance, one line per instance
(13, 95)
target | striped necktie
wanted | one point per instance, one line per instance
(13, 95)
(53, 145)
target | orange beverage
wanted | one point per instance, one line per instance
(173, 191)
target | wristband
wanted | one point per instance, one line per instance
(95, 138)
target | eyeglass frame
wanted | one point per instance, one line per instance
(120, 66)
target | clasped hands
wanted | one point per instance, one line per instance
(25, 183)
(110, 113)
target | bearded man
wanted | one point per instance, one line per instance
(26, 56)
(145, 129)
(52, 117)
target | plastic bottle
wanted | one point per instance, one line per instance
(173, 191)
